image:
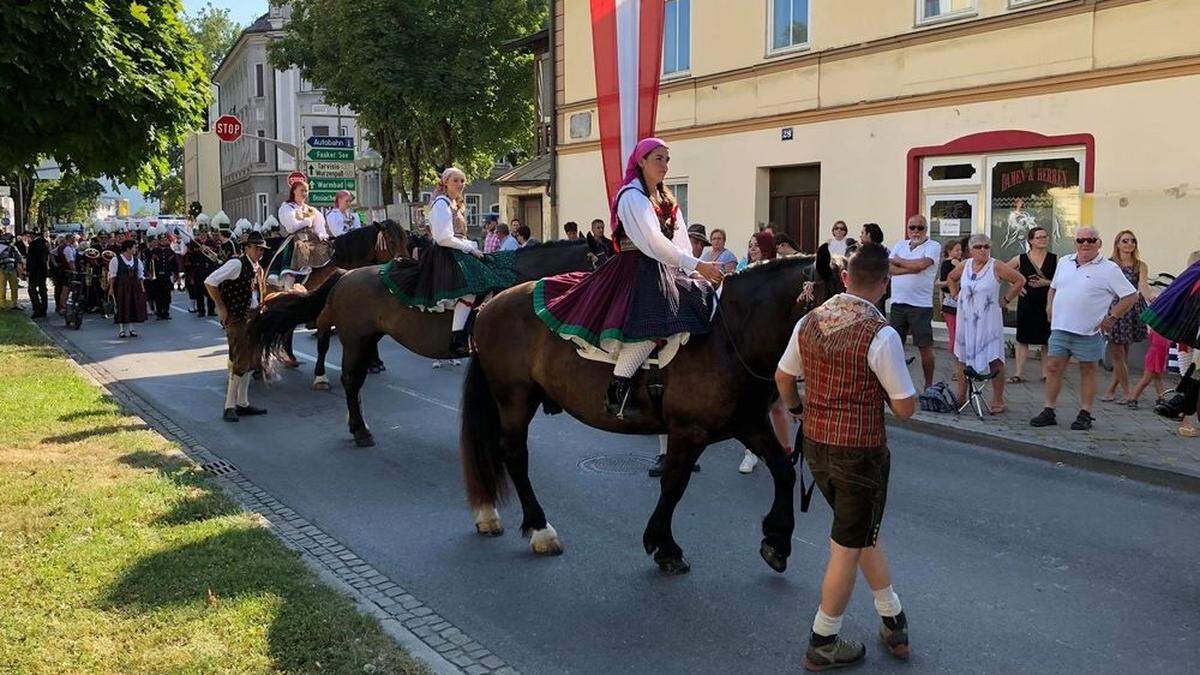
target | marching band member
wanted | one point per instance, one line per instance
(642, 294)
(235, 288)
(126, 281)
(341, 219)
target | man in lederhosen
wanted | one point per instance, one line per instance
(853, 363)
(235, 287)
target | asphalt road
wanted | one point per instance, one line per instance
(1004, 564)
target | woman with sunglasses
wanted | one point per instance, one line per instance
(979, 340)
(1129, 328)
(1033, 326)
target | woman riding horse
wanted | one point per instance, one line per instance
(643, 295)
(453, 273)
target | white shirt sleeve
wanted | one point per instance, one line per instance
(790, 362)
(885, 356)
(112, 268)
(1117, 283)
(643, 229)
(335, 222)
(441, 223)
(291, 224)
(230, 270)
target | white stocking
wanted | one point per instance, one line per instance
(462, 311)
(231, 391)
(631, 358)
(243, 394)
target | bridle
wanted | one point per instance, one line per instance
(810, 302)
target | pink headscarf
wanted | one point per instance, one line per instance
(643, 148)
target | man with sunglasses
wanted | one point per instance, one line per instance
(914, 270)
(1084, 287)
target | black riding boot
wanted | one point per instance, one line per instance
(617, 396)
(459, 344)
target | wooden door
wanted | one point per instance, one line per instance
(798, 216)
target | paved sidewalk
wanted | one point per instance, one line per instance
(1137, 443)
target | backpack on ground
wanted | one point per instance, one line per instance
(938, 398)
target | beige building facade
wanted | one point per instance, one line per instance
(984, 115)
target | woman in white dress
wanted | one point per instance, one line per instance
(341, 219)
(304, 222)
(979, 338)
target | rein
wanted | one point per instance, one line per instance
(733, 343)
(282, 246)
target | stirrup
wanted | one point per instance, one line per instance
(617, 396)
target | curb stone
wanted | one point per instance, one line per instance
(372, 592)
(1093, 463)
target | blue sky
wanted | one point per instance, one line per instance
(241, 11)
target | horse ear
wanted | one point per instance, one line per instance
(825, 264)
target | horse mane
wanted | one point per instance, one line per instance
(764, 267)
(355, 246)
(559, 243)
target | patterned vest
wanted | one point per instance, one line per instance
(843, 398)
(235, 293)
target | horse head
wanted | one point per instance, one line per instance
(555, 257)
(395, 239)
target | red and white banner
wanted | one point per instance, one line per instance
(627, 44)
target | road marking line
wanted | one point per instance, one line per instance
(423, 397)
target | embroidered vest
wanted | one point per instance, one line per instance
(843, 398)
(236, 293)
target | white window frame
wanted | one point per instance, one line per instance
(262, 204)
(922, 20)
(928, 163)
(494, 210)
(1021, 4)
(474, 217)
(682, 72)
(674, 183)
(971, 198)
(772, 50)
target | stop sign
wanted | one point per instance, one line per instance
(228, 128)
(296, 177)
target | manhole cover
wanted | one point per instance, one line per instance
(623, 465)
(219, 467)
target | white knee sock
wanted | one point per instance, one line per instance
(231, 391)
(887, 603)
(243, 394)
(631, 358)
(825, 625)
(662, 444)
(461, 311)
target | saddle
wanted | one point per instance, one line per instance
(310, 252)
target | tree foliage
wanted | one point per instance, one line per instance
(431, 81)
(215, 32)
(104, 86)
(69, 199)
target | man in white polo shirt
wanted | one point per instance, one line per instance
(1084, 288)
(914, 267)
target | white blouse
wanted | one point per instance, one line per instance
(337, 223)
(642, 226)
(441, 225)
(129, 262)
(288, 217)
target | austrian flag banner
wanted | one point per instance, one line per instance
(627, 46)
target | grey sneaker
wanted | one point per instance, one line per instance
(895, 637)
(837, 653)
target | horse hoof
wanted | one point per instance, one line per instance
(546, 541)
(773, 558)
(672, 567)
(367, 441)
(374, 370)
(321, 383)
(487, 522)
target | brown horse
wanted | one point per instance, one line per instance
(371, 245)
(362, 308)
(718, 386)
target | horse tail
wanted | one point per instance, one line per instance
(281, 313)
(483, 464)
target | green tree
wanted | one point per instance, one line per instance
(69, 199)
(430, 80)
(215, 33)
(105, 87)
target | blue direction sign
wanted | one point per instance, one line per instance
(330, 142)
